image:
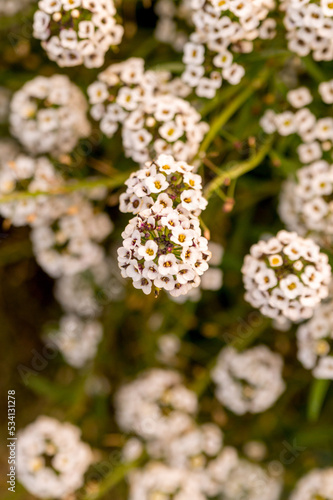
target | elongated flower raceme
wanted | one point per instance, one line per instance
(286, 276)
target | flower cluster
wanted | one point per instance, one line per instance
(86, 293)
(48, 115)
(316, 484)
(306, 204)
(156, 406)
(249, 381)
(76, 339)
(12, 7)
(164, 250)
(286, 276)
(309, 28)
(316, 135)
(75, 32)
(227, 477)
(51, 459)
(153, 119)
(22, 172)
(173, 22)
(163, 185)
(68, 244)
(222, 28)
(314, 339)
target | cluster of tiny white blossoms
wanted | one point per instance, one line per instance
(221, 28)
(154, 119)
(163, 246)
(75, 32)
(12, 7)
(86, 293)
(69, 243)
(286, 276)
(306, 203)
(316, 484)
(226, 477)
(314, 341)
(163, 185)
(77, 339)
(21, 173)
(48, 115)
(316, 134)
(249, 381)
(171, 16)
(141, 404)
(309, 28)
(51, 458)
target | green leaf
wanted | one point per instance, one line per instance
(317, 396)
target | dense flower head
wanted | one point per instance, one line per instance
(164, 249)
(227, 477)
(77, 339)
(86, 293)
(155, 406)
(309, 28)
(248, 381)
(75, 32)
(12, 7)
(48, 115)
(317, 484)
(306, 202)
(162, 185)
(51, 458)
(315, 341)
(222, 28)
(286, 276)
(21, 173)
(174, 19)
(69, 242)
(153, 117)
(314, 132)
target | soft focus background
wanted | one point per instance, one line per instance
(297, 430)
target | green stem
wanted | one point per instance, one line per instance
(230, 110)
(114, 477)
(68, 188)
(238, 170)
(317, 396)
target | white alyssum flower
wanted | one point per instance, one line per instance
(179, 260)
(239, 479)
(306, 202)
(309, 28)
(222, 29)
(149, 111)
(77, 339)
(292, 289)
(22, 172)
(141, 404)
(75, 32)
(12, 7)
(314, 341)
(68, 243)
(162, 185)
(48, 115)
(249, 381)
(174, 21)
(51, 458)
(86, 293)
(318, 483)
